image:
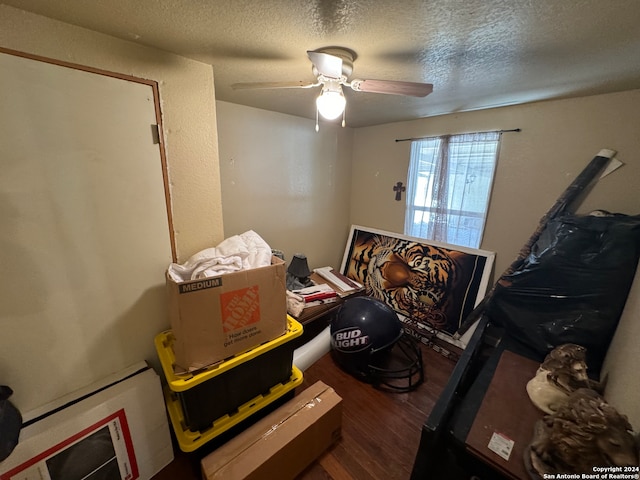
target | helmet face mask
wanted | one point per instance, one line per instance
(368, 341)
(401, 369)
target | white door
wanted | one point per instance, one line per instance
(84, 236)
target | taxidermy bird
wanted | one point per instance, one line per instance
(584, 432)
(563, 371)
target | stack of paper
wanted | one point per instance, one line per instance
(343, 284)
(317, 295)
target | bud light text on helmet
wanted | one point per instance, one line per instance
(350, 340)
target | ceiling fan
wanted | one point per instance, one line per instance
(332, 67)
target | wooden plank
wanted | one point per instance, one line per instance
(507, 411)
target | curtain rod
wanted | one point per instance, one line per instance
(436, 136)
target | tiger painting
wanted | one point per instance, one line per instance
(417, 280)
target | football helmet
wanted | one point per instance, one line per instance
(368, 341)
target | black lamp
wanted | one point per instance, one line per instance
(298, 273)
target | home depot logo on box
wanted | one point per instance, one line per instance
(216, 318)
(240, 308)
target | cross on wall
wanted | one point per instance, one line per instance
(399, 188)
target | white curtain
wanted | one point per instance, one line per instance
(449, 185)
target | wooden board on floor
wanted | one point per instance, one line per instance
(506, 414)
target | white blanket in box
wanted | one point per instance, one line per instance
(239, 252)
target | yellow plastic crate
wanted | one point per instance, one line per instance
(189, 440)
(209, 394)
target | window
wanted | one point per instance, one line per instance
(450, 180)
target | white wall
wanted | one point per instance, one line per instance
(558, 139)
(285, 181)
(621, 363)
(188, 112)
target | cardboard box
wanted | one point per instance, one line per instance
(215, 318)
(282, 444)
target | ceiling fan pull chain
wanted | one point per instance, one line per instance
(317, 126)
(344, 112)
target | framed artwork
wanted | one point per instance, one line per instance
(114, 429)
(103, 450)
(432, 286)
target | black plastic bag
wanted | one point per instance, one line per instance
(573, 286)
(10, 423)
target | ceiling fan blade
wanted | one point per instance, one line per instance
(326, 64)
(392, 87)
(256, 85)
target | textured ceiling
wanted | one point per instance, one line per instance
(476, 53)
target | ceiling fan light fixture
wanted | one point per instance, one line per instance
(332, 67)
(331, 103)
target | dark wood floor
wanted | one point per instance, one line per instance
(380, 431)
